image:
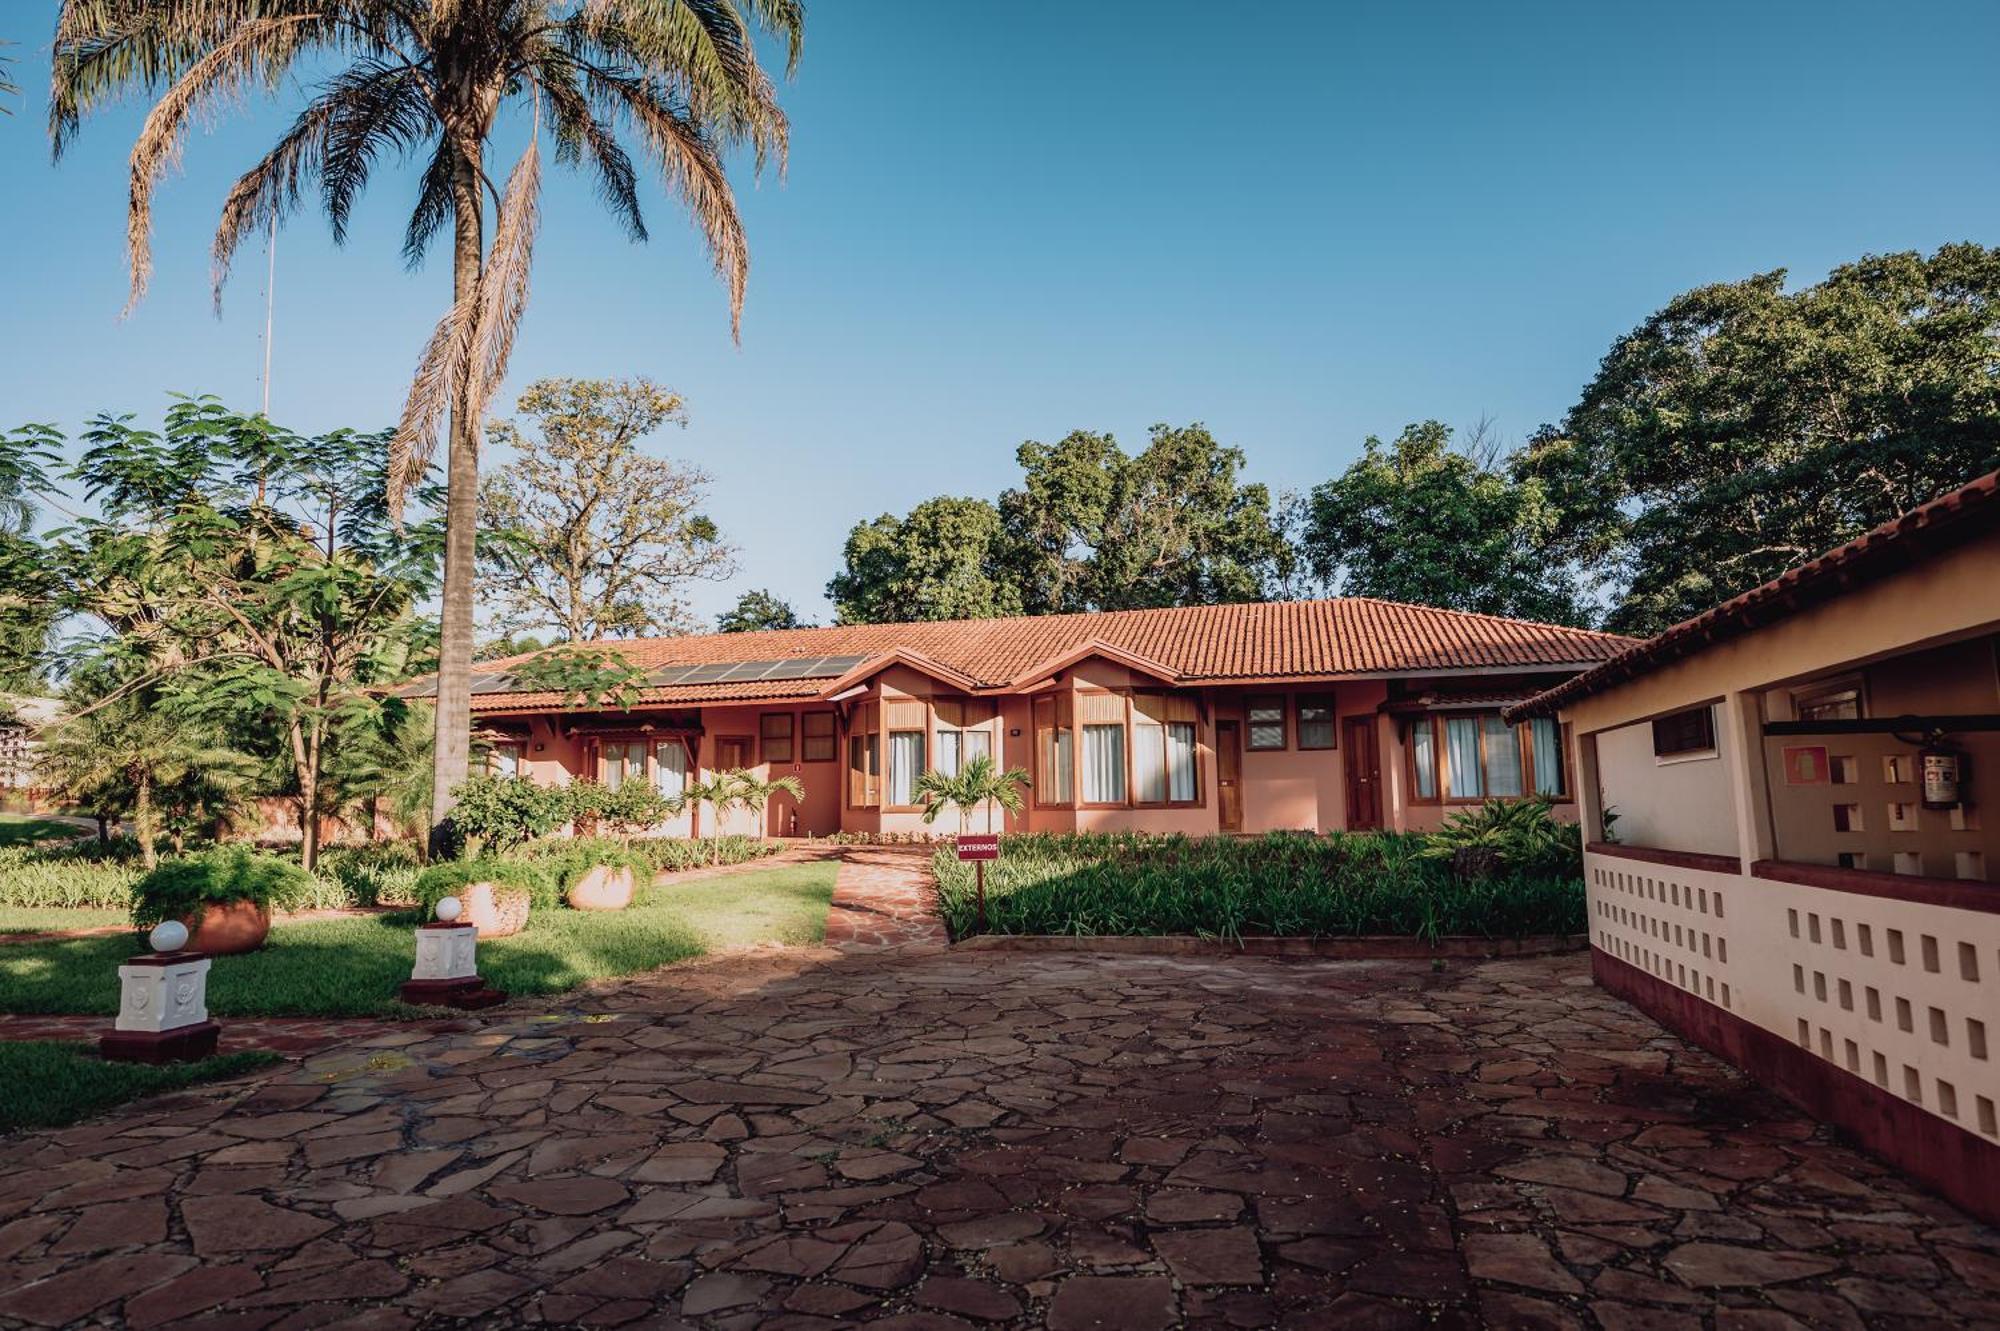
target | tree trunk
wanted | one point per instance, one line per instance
(461, 519)
(309, 819)
(142, 821)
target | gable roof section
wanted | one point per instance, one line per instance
(1272, 641)
(1951, 518)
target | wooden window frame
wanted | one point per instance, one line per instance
(831, 737)
(871, 773)
(520, 750)
(1441, 761)
(1712, 749)
(1035, 731)
(1124, 729)
(1831, 690)
(1250, 744)
(961, 731)
(923, 764)
(621, 739)
(790, 737)
(1326, 700)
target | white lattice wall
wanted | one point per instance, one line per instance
(1902, 994)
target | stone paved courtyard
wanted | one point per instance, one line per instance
(915, 1138)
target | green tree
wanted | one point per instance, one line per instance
(1421, 521)
(587, 536)
(757, 610)
(979, 783)
(404, 77)
(28, 581)
(1744, 429)
(248, 576)
(1095, 528)
(948, 559)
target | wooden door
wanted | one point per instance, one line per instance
(733, 754)
(1364, 776)
(1229, 776)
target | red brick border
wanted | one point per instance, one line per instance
(1953, 893)
(1958, 1164)
(1676, 859)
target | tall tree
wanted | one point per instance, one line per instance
(948, 559)
(1095, 528)
(758, 609)
(1744, 429)
(249, 577)
(587, 536)
(430, 78)
(28, 582)
(1421, 521)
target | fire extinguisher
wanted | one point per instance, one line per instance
(1943, 774)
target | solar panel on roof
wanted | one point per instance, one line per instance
(739, 672)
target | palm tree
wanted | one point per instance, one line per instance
(430, 78)
(979, 782)
(754, 793)
(129, 759)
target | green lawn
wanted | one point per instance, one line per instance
(50, 1084)
(352, 967)
(20, 829)
(55, 919)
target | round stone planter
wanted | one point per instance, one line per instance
(225, 928)
(495, 911)
(602, 887)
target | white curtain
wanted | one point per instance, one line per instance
(1056, 766)
(1547, 740)
(1423, 756)
(950, 752)
(1104, 764)
(1180, 760)
(670, 769)
(974, 744)
(1461, 746)
(621, 761)
(1503, 757)
(1149, 762)
(906, 760)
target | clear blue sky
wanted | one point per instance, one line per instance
(1302, 223)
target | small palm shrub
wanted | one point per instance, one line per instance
(1508, 836)
(669, 854)
(382, 874)
(179, 888)
(565, 860)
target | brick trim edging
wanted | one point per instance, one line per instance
(1961, 1166)
(1954, 893)
(1675, 859)
(1369, 947)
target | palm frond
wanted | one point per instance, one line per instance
(434, 203)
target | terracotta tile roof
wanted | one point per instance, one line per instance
(1969, 511)
(1275, 641)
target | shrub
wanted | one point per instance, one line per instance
(181, 887)
(496, 813)
(382, 874)
(668, 854)
(567, 859)
(1508, 836)
(446, 880)
(1291, 884)
(64, 878)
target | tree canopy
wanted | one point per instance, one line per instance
(588, 537)
(758, 609)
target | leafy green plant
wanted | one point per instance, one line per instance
(1507, 836)
(567, 859)
(497, 813)
(181, 887)
(82, 874)
(738, 789)
(979, 782)
(667, 854)
(634, 805)
(449, 879)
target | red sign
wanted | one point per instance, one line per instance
(984, 847)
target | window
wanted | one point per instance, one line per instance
(956, 748)
(1055, 759)
(1685, 733)
(1316, 721)
(1842, 703)
(670, 768)
(507, 760)
(620, 759)
(1423, 758)
(1478, 756)
(1163, 749)
(1545, 753)
(775, 730)
(863, 771)
(1104, 764)
(1266, 717)
(906, 763)
(818, 734)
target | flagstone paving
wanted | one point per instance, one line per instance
(883, 897)
(931, 1139)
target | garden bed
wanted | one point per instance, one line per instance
(1282, 886)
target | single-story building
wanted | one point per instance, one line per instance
(1319, 715)
(1792, 812)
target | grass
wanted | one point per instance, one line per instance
(1282, 884)
(52, 1083)
(55, 919)
(20, 829)
(352, 967)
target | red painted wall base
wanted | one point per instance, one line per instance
(183, 1044)
(1963, 1167)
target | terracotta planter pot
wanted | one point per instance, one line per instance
(604, 887)
(493, 910)
(225, 928)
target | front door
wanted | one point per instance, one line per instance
(1364, 776)
(1229, 776)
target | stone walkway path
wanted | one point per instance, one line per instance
(927, 1139)
(883, 898)
(279, 1035)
